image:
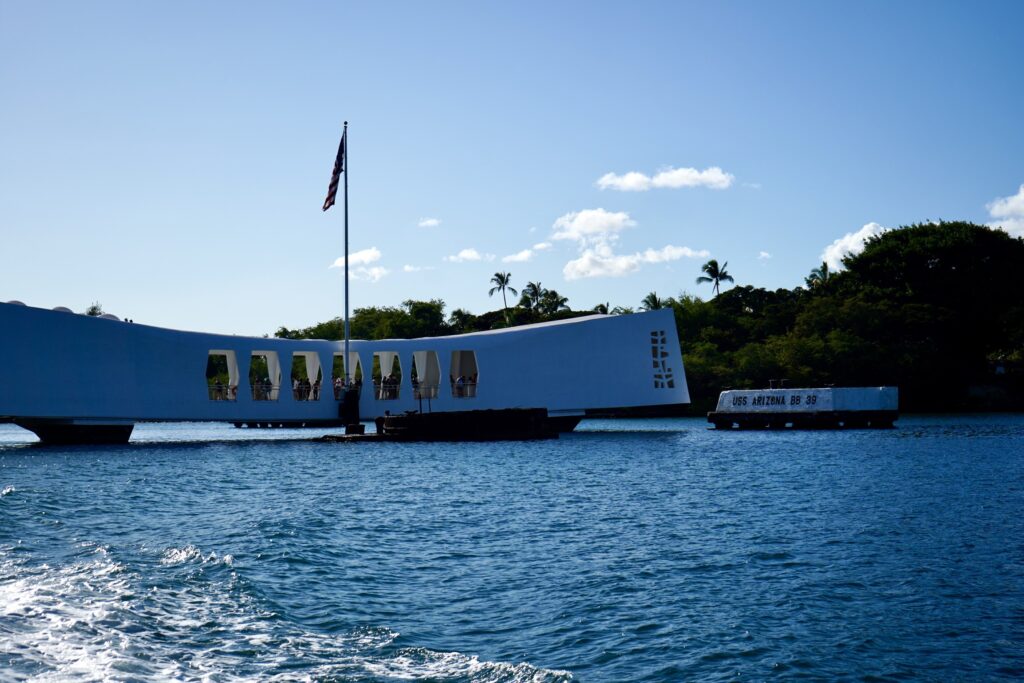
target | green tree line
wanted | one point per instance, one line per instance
(936, 309)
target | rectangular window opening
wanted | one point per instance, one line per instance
(265, 376)
(222, 375)
(463, 374)
(306, 376)
(387, 375)
(426, 374)
(355, 380)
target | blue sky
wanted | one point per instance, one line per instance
(170, 159)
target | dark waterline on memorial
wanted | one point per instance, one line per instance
(630, 550)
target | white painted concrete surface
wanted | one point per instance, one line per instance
(61, 365)
(811, 400)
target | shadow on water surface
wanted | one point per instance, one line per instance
(194, 437)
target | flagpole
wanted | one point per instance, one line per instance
(344, 136)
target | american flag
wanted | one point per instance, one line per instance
(339, 166)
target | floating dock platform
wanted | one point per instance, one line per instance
(514, 424)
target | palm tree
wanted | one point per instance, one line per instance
(461, 320)
(553, 302)
(715, 274)
(501, 283)
(819, 275)
(651, 302)
(602, 308)
(533, 292)
(95, 309)
(622, 310)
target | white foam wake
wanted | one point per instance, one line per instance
(66, 638)
(94, 619)
(190, 553)
(416, 663)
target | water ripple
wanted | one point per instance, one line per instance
(654, 551)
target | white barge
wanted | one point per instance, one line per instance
(817, 408)
(73, 378)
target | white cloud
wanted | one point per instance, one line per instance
(469, 254)
(601, 261)
(1007, 207)
(595, 231)
(359, 265)
(1013, 226)
(415, 269)
(712, 177)
(372, 274)
(526, 254)
(1009, 213)
(518, 257)
(850, 243)
(429, 222)
(634, 181)
(672, 253)
(591, 225)
(363, 257)
(763, 256)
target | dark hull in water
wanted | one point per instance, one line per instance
(875, 419)
(514, 424)
(66, 433)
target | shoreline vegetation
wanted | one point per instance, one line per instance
(936, 309)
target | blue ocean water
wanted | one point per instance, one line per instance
(629, 550)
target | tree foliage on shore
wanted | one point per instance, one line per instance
(426, 319)
(934, 308)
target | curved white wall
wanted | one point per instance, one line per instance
(66, 366)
